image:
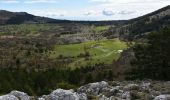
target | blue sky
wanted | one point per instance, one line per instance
(85, 9)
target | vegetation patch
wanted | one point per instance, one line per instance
(89, 53)
(27, 29)
(101, 28)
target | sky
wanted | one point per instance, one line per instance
(85, 9)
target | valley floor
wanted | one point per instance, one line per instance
(89, 53)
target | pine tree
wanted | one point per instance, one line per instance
(152, 58)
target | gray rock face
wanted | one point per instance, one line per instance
(8, 97)
(20, 95)
(61, 94)
(103, 97)
(15, 95)
(95, 88)
(145, 86)
(162, 97)
(126, 96)
(131, 87)
(125, 90)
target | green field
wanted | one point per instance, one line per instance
(101, 28)
(27, 29)
(89, 53)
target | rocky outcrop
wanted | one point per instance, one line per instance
(95, 88)
(61, 94)
(162, 97)
(125, 90)
(15, 95)
(131, 87)
(20, 95)
(8, 97)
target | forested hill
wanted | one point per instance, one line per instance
(138, 27)
(7, 17)
(125, 28)
(160, 12)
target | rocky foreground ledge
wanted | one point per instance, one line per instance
(125, 90)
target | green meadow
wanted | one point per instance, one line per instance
(101, 28)
(89, 53)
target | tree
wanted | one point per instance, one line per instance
(17, 62)
(88, 78)
(110, 75)
(152, 58)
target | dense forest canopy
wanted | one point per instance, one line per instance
(153, 56)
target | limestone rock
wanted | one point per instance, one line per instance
(61, 94)
(162, 97)
(20, 95)
(8, 97)
(94, 88)
(145, 86)
(126, 95)
(131, 87)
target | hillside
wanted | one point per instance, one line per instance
(43, 54)
(7, 17)
(138, 27)
(125, 29)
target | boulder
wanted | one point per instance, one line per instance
(8, 97)
(115, 98)
(126, 95)
(61, 94)
(162, 97)
(20, 95)
(131, 87)
(15, 95)
(103, 97)
(95, 88)
(41, 98)
(145, 86)
(115, 90)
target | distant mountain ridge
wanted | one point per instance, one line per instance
(138, 27)
(7, 17)
(157, 12)
(126, 29)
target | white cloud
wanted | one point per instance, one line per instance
(95, 10)
(40, 1)
(52, 13)
(115, 1)
(125, 9)
(104, 10)
(126, 12)
(108, 13)
(126, 1)
(89, 12)
(9, 1)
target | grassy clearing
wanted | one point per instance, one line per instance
(93, 52)
(26, 29)
(101, 28)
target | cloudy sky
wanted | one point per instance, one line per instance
(85, 9)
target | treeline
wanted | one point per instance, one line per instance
(26, 53)
(139, 27)
(152, 57)
(43, 82)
